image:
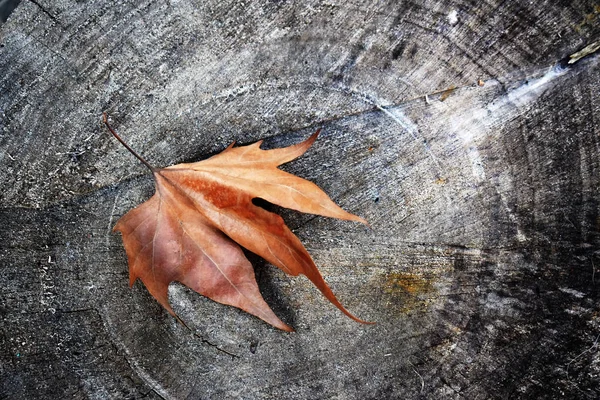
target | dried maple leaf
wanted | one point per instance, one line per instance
(190, 229)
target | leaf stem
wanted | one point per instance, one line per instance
(105, 120)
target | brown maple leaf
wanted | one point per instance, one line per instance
(192, 228)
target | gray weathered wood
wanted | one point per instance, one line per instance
(479, 269)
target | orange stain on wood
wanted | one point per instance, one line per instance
(413, 291)
(446, 93)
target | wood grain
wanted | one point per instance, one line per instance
(479, 269)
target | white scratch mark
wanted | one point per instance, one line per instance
(110, 220)
(407, 124)
(572, 292)
(468, 126)
(474, 124)
(397, 115)
(525, 94)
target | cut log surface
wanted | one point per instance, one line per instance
(465, 132)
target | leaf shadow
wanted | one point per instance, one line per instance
(270, 291)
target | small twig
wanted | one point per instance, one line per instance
(420, 377)
(583, 352)
(72, 153)
(105, 120)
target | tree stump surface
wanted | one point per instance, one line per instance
(466, 133)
